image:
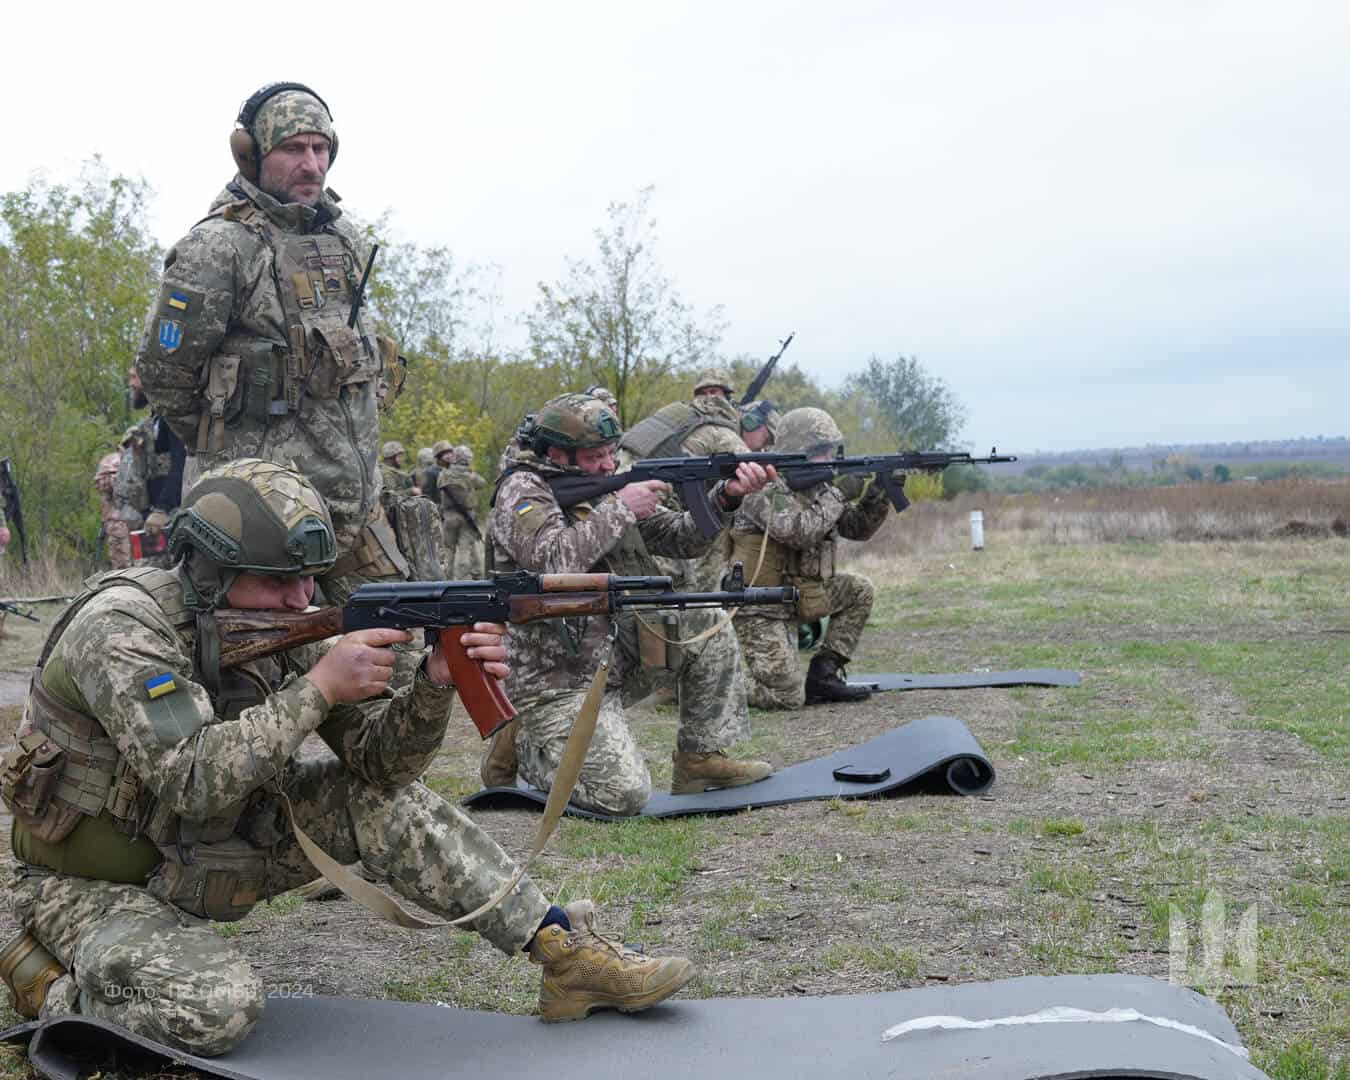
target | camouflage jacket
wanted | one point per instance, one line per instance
(459, 483)
(247, 351)
(200, 758)
(715, 438)
(802, 528)
(528, 530)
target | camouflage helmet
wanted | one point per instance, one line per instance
(441, 447)
(391, 449)
(249, 515)
(463, 455)
(425, 458)
(574, 422)
(714, 376)
(808, 431)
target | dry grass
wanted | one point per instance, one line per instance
(1190, 512)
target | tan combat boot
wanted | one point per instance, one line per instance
(699, 772)
(28, 970)
(499, 763)
(585, 971)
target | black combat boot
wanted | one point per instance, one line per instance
(825, 681)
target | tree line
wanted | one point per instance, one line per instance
(79, 268)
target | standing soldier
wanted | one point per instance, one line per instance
(457, 487)
(256, 346)
(552, 666)
(395, 480)
(790, 538)
(152, 791)
(116, 530)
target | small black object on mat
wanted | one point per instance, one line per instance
(968, 680)
(937, 750)
(1177, 1035)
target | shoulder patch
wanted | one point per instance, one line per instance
(178, 301)
(523, 507)
(172, 715)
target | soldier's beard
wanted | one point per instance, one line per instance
(139, 400)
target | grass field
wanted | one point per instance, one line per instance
(1205, 757)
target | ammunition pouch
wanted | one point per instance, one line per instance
(813, 601)
(807, 571)
(29, 777)
(222, 882)
(244, 377)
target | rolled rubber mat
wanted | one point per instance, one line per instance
(937, 750)
(968, 680)
(1127, 1025)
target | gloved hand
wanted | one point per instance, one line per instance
(851, 485)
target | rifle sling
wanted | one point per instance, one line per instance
(716, 627)
(564, 783)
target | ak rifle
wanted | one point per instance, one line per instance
(448, 609)
(883, 467)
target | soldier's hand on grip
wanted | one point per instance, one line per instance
(643, 497)
(750, 477)
(359, 666)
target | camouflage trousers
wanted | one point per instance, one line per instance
(139, 962)
(465, 547)
(117, 542)
(770, 645)
(710, 685)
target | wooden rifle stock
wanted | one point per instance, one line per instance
(251, 635)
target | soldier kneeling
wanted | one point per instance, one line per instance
(152, 791)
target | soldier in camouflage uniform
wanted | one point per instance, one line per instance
(248, 351)
(458, 486)
(152, 791)
(116, 531)
(395, 480)
(790, 537)
(553, 665)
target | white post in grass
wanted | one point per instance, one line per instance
(977, 530)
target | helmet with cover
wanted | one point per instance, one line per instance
(573, 422)
(392, 449)
(808, 431)
(249, 515)
(713, 377)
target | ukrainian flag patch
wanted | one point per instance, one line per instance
(159, 685)
(178, 300)
(524, 507)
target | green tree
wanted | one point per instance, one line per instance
(919, 408)
(1222, 474)
(618, 319)
(78, 269)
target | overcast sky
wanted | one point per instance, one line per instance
(1102, 225)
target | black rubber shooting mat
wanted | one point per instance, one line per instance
(968, 680)
(749, 1038)
(938, 750)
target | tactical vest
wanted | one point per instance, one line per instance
(782, 565)
(663, 433)
(253, 376)
(66, 769)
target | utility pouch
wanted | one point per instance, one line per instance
(393, 371)
(336, 356)
(653, 650)
(813, 601)
(223, 399)
(29, 776)
(375, 554)
(222, 882)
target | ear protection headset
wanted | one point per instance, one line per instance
(244, 144)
